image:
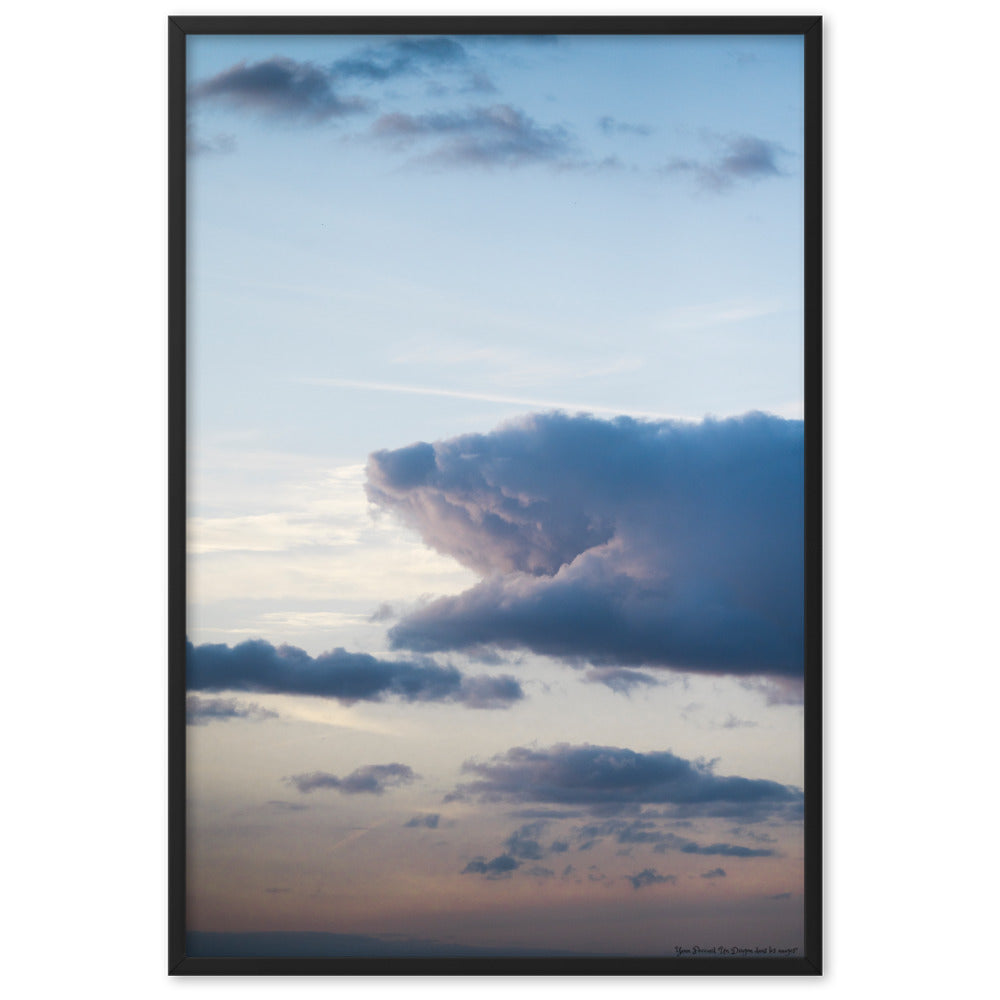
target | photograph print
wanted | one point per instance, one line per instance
(490, 646)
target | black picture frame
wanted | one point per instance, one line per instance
(810, 29)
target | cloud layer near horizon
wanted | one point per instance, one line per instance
(619, 542)
(256, 665)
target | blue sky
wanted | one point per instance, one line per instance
(418, 249)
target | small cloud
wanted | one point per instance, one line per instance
(279, 806)
(201, 711)
(612, 126)
(714, 873)
(429, 820)
(499, 867)
(400, 57)
(500, 135)
(383, 613)
(737, 158)
(618, 679)
(781, 895)
(732, 722)
(372, 779)
(277, 88)
(649, 876)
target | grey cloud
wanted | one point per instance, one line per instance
(256, 665)
(781, 895)
(714, 873)
(649, 876)
(614, 777)
(722, 850)
(372, 779)
(277, 88)
(612, 126)
(279, 805)
(429, 820)
(400, 57)
(619, 680)
(499, 867)
(624, 542)
(742, 157)
(500, 135)
(522, 843)
(201, 711)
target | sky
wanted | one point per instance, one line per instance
(495, 493)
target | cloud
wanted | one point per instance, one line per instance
(620, 680)
(612, 126)
(400, 57)
(740, 157)
(201, 711)
(372, 779)
(622, 542)
(601, 777)
(500, 135)
(649, 876)
(256, 665)
(723, 850)
(277, 88)
(714, 873)
(429, 820)
(781, 895)
(499, 867)
(522, 843)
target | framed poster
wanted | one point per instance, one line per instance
(495, 495)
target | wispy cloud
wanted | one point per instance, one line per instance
(499, 135)
(489, 397)
(400, 57)
(612, 126)
(201, 711)
(372, 779)
(735, 158)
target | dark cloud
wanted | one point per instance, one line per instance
(201, 711)
(624, 542)
(612, 126)
(499, 867)
(620, 680)
(781, 895)
(384, 612)
(523, 844)
(400, 57)
(649, 876)
(256, 665)
(742, 157)
(429, 820)
(714, 873)
(500, 135)
(723, 850)
(372, 779)
(277, 88)
(615, 777)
